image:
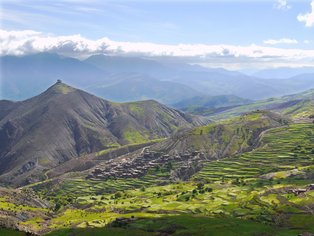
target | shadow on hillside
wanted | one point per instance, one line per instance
(183, 225)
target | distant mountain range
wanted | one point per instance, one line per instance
(65, 123)
(134, 86)
(133, 78)
(283, 72)
(206, 105)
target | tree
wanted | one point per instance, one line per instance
(200, 185)
(117, 195)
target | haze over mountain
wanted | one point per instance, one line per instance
(210, 104)
(64, 123)
(110, 76)
(283, 72)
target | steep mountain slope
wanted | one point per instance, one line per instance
(63, 123)
(209, 104)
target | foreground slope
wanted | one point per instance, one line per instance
(254, 193)
(63, 123)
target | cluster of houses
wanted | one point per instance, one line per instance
(302, 190)
(138, 166)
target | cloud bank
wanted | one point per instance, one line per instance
(307, 18)
(30, 42)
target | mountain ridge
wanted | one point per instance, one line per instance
(64, 123)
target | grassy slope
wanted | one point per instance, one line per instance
(225, 138)
(9, 232)
(295, 106)
(242, 199)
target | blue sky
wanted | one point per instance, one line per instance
(271, 23)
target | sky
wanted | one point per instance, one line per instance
(231, 34)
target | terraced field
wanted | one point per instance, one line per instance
(77, 186)
(282, 150)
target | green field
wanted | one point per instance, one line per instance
(247, 194)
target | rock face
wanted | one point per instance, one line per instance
(64, 123)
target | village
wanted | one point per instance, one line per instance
(136, 167)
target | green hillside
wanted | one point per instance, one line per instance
(250, 193)
(296, 106)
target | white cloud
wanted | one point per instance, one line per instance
(280, 41)
(307, 18)
(28, 42)
(282, 5)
